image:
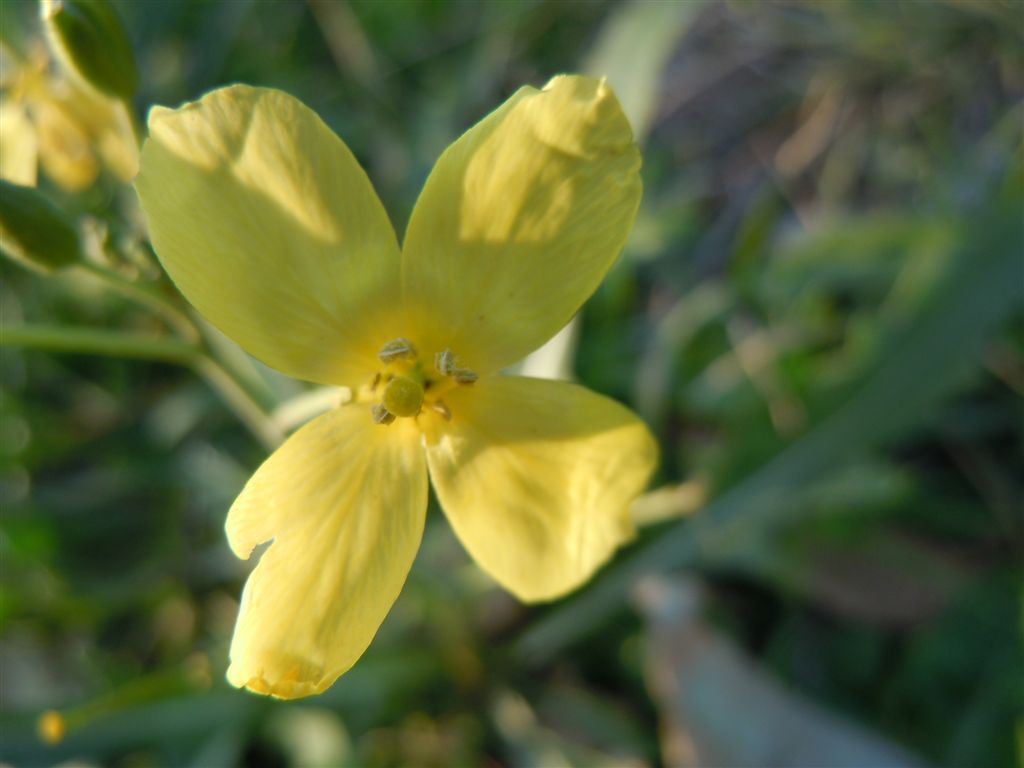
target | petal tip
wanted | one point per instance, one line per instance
(156, 114)
(289, 685)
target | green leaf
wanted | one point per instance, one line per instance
(920, 361)
(34, 231)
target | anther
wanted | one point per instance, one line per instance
(381, 415)
(397, 349)
(442, 409)
(445, 363)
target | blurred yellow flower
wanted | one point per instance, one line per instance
(61, 124)
(268, 225)
(51, 727)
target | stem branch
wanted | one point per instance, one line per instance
(98, 342)
(148, 297)
(116, 344)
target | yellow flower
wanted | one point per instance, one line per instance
(51, 727)
(268, 225)
(63, 125)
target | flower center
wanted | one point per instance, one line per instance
(402, 396)
(409, 388)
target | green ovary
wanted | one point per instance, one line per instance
(403, 396)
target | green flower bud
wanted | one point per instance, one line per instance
(34, 231)
(91, 42)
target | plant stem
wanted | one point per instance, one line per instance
(148, 297)
(175, 351)
(240, 401)
(237, 363)
(234, 384)
(98, 342)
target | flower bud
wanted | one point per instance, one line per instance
(34, 231)
(89, 39)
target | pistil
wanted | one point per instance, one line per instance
(407, 387)
(403, 396)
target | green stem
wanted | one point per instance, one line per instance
(99, 342)
(237, 363)
(175, 351)
(144, 295)
(239, 400)
(235, 385)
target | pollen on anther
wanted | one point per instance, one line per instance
(397, 349)
(445, 363)
(381, 415)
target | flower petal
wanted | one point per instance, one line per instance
(268, 225)
(111, 125)
(65, 149)
(519, 221)
(537, 478)
(18, 147)
(344, 500)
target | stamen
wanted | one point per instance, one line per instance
(445, 363)
(381, 415)
(405, 390)
(397, 349)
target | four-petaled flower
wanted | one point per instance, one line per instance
(268, 225)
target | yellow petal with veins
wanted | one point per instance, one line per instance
(267, 224)
(344, 501)
(537, 478)
(519, 221)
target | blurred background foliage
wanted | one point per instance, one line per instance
(818, 313)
